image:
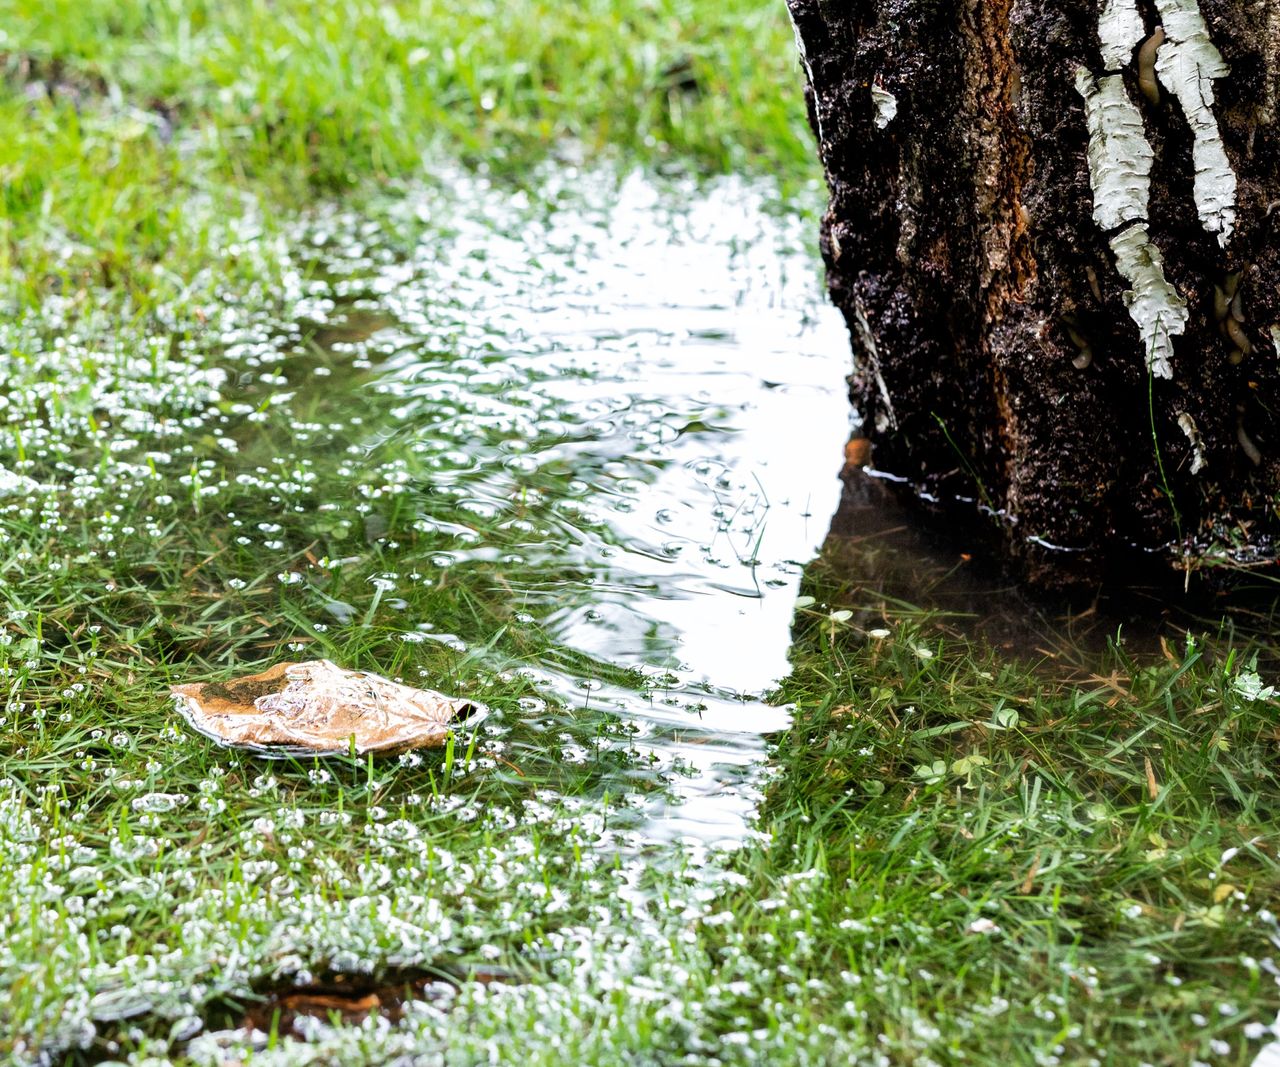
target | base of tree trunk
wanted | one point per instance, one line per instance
(1060, 270)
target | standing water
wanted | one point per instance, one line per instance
(630, 409)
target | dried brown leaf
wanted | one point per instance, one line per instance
(317, 707)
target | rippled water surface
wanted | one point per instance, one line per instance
(628, 410)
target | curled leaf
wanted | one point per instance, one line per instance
(319, 708)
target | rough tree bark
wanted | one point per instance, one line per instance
(1053, 234)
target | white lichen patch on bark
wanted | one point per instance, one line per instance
(1120, 156)
(1188, 426)
(886, 105)
(1187, 65)
(1154, 304)
(1121, 30)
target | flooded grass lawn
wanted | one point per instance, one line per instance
(561, 438)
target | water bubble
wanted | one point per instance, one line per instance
(522, 464)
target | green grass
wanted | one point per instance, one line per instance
(1107, 831)
(118, 114)
(341, 94)
(962, 856)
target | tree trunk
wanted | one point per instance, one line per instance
(1053, 234)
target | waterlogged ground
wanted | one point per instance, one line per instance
(567, 448)
(565, 453)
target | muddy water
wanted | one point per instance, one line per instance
(633, 402)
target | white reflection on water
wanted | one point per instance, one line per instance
(674, 353)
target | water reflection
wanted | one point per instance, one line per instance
(633, 402)
(884, 559)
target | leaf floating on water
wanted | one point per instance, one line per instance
(317, 707)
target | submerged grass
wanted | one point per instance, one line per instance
(961, 856)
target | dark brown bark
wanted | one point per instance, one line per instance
(961, 246)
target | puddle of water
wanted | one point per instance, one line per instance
(634, 403)
(891, 559)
